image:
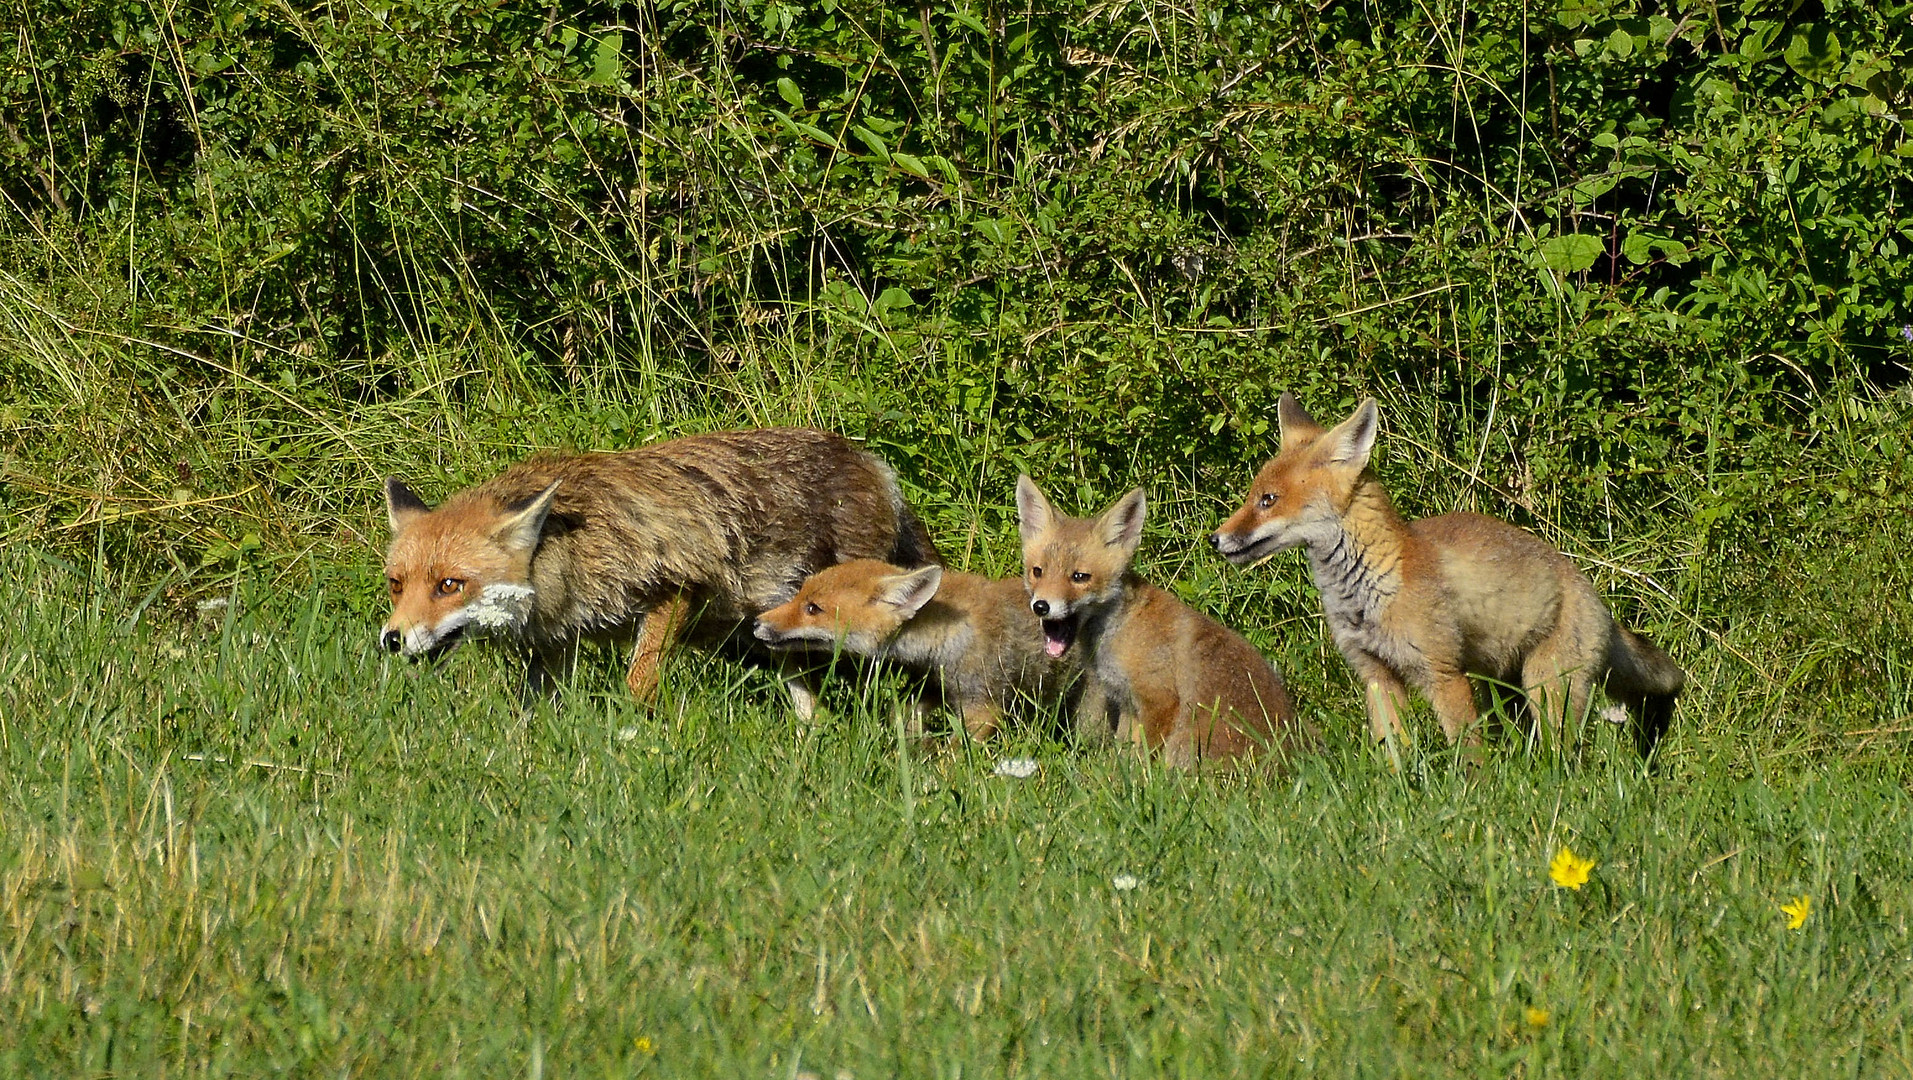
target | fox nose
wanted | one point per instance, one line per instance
(1041, 607)
(392, 640)
(1216, 539)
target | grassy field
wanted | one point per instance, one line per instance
(239, 839)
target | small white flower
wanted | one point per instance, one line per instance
(626, 734)
(1125, 882)
(217, 603)
(1022, 768)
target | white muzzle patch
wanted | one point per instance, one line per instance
(494, 609)
(501, 607)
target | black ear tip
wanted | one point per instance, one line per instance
(401, 497)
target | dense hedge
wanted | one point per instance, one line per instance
(1648, 231)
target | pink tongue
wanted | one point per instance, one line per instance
(1054, 647)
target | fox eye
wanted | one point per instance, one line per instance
(395, 585)
(451, 586)
(1036, 571)
(813, 608)
(1267, 500)
(1079, 576)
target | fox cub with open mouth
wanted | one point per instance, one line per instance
(636, 548)
(1164, 676)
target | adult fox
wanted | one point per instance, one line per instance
(634, 548)
(1428, 603)
(1165, 676)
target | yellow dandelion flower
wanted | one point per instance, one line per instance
(1570, 871)
(1797, 912)
(1538, 1018)
(644, 1045)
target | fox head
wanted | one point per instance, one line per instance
(463, 568)
(855, 605)
(1299, 497)
(1073, 566)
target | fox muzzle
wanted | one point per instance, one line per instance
(392, 641)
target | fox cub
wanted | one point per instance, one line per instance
(976, 636)
(636, 547)
(1165, 676)
(1428, 603)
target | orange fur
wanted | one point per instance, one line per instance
(976, 635)
(1429, 603)
(637, 548)
(1164, 676)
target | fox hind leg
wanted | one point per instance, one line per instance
(1559, 688)
(659, 630)
(1453, 697)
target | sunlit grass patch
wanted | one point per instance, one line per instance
(252, 842)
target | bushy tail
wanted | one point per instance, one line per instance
(913, 548)
(1646, 681)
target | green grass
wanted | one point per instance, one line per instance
(241, 840)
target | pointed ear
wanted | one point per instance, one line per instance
(401, 506)
(1294, 420)
(1353, 439)
(524, 523)
(909, 592)
(1121, 524)
(1034, 514)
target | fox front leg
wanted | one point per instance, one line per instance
(1387, 697)
(659, 629)
(1091, 717)
(981, 719)
(545, 669)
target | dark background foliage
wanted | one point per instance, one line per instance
(1640, 221)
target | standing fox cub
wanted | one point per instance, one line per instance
(1428, 603)
(1175, 680)
(634, 547)
(975, 634)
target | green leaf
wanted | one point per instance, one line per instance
(1638, 247)
(873, 141)
(911, 164)
(894, 298)
(1571, 253)
(970, 21)
(607, 62)
(789, 92)
(808, 131)
(1814, 53)
(1591, 188)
